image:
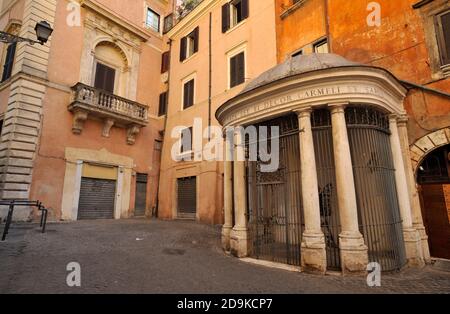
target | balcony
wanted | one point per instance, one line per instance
(109, 108)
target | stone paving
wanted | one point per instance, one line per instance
(150, 256)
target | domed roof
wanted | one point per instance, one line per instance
(298, 65)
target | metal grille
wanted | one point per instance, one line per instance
(326, 175)
(373, 167)
(187, 197)
(141, 194)
(96, 199)
(274, 200)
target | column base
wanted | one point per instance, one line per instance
(226, 233)
(354, 253)
(413, 247)
(313, 255)
(424, 241)
(239, 242)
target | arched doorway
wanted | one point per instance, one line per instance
(433, 177)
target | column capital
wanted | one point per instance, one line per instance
(304, 112)
(338, 107)
(394, 118)
(402, 120)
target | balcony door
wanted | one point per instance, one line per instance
(105, 78)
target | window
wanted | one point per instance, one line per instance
(237, 69)
(9, 61)
(233, 13)
(186, 140)
(153, 20)
(297, 53)
(165, 62)
(188, 94)
(162, 104)
(443, 32)
(105, 77)
(321, 46)
(168, 23)
(189, 45)
(158, 145)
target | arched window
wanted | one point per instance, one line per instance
(110, 69)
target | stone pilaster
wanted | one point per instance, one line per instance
(239, 240)
(22, 122)
(411, 236)
(228, 194)
(354, 253)
(417, 218)
(313, 241)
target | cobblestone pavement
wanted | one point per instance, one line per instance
(149, 256)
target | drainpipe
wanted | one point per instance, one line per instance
(210, 77)
(327, 24)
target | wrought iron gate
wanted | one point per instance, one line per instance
(326, 175)
(274, 199)
(373, 167)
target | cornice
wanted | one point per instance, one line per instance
(189, 20)
(110, 15)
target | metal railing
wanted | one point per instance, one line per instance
(103, 100)
(13, 203)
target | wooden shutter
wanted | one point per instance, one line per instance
(188, 97)
(162, 104)
(183, 47)
(105, 78)
(195, 35)
(233, 71)
(240, 65)
(225, 17)
(237, 70)
(9, 61)
(165, 63)
(245, 9)
(445, 21)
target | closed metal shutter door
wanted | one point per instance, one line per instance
(187, 197)
(96, 199)
(141, 194)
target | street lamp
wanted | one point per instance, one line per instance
(43, 32)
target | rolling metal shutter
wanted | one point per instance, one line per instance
(96, 199)
(187, 197)
(141, 194)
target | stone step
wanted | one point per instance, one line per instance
(441, 264)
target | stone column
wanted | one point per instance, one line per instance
(239, 234)
(313, 242)
(411, 236)
(417, 219)
(354, 256)
(228, 194)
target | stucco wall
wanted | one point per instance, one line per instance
(257, 34)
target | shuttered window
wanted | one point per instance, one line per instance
(9, 62)
(165, 62)
(162, 104)
(153, 20)
(189, 44)
(443, 21)
(186, 140)
(104, 78)
(237, 69)
(188, 94)
(233, 13)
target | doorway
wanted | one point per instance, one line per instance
(434, 187)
